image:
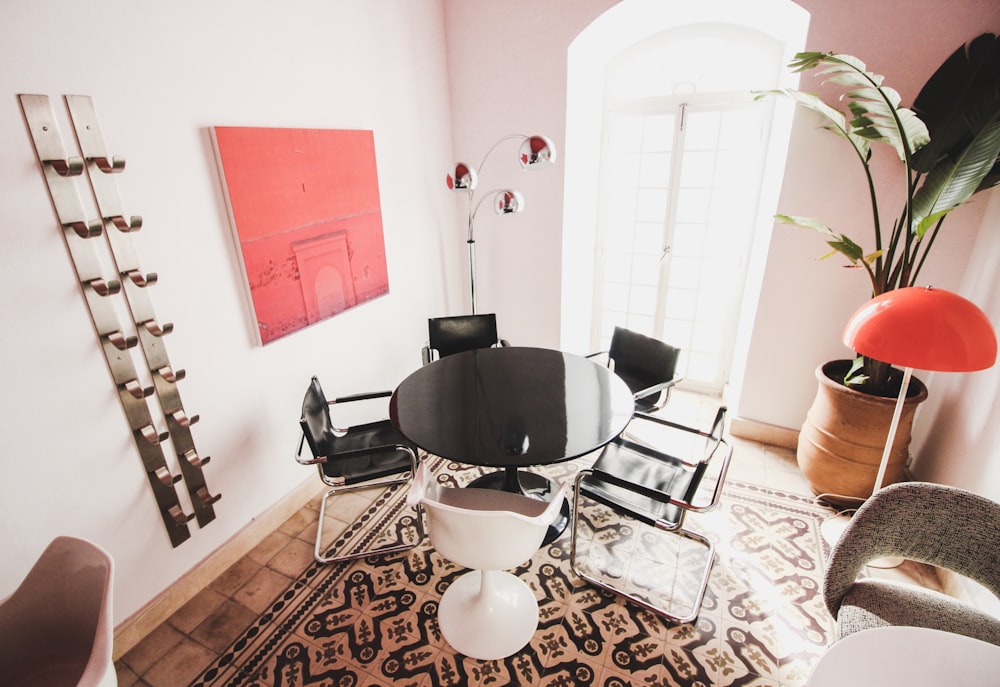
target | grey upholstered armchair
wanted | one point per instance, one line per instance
(939, 525)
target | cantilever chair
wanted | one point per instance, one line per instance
(450, 335)
(369, 455)
(647, 365)
(931, 523)
(487, 613)
(656, 487)
(57, 626)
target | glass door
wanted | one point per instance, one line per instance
(679, 198)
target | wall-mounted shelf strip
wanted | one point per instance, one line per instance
(102, 168)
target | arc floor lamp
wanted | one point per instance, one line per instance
(535, 152)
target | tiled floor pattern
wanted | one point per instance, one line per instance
(180, 650)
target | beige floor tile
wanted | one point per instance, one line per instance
(223, 626)
(779, 458)
(293, 560)
(261, 590)
(348, 506)
(229, 582)
(194, 612)
(127, 676)
(269, 547)
(788, 482)
(301, 525)
(153, 648)
(184, 662)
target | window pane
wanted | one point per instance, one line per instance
(698, 169)
(616, 297)
(693, 205)
(689, 240)
(702, 131)
(640, 323)
(646, 270)
(682, 303)
(684, 273)
(659, 133)
(648, 239)
(651, 206)
(655, 170)
(617, 268)
(627, 133)
(643, 300)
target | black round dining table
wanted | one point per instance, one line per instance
(512, 407)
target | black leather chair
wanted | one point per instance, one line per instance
(656, 487)
(646, 364)
(450, 335)
(369, 455)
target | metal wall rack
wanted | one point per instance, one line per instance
(144, 334)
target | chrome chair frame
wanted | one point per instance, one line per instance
(376, 479)
(661, 500)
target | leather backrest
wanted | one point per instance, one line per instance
(450, 335)
(315, 420)
(642, 358)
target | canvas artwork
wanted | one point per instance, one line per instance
(305, 211)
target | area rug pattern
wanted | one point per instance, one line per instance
(373, 621)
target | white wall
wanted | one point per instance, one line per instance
(958, 427)
(161, 74)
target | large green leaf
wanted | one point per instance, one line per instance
(959, 100)
(839, 242)
(951, 183)
(875, 109)
(837, 120)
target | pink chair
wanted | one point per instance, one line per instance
(56, 629)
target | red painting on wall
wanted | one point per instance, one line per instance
(305, 210)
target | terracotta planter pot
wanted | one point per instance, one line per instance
(842, 440)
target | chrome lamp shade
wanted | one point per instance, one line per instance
(535, 152)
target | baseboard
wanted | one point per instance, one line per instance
(763, 432)
(133, 630)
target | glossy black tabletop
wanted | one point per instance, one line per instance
(511, 407)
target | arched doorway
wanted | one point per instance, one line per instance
(668, 202)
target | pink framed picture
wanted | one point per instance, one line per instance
(305, 212)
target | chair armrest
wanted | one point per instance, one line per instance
(360, 397)
(425, 355)
(367, 396)
(657, 388)
(596, 355)
(368, 450)
(686, 503)
(306, 461)
(673, 425)
(940, 525)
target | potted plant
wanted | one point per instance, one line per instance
(948, 146)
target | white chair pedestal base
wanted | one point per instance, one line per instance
(488, 614)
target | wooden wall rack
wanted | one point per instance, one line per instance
(144, 334)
